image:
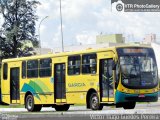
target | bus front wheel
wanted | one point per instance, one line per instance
(29, 104)
(129, 105)
(62, 107)
(94, 102)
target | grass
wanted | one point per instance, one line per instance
(22, 106)
(11, 106)
(79, 105)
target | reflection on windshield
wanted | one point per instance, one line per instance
(138, 70)
(136, 64)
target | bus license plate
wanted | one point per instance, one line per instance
(141, 96)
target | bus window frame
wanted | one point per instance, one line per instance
(24, 77)
(87, 54)
(39, 68)
(34, 68)
(5, 77)
(80, 68)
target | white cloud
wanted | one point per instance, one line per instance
(86, 38)
(42, 28)
(137, 24)
(55, 40)
(92, 16)
(42, 8)
(48, 8)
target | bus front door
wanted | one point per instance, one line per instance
(59, 83)
(106, 81)
(14, 85)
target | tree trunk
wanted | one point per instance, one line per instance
(15, 47)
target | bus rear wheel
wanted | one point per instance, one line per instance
(29, 104)
(129, 105)
(94, 102)
(62, 107)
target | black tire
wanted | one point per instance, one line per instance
(94, 102)
(62, 107)
(129, 105)
(31, 107)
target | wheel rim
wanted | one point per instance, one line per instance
(29, 103)
(94, 102)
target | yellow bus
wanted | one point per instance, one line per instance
(119, 76)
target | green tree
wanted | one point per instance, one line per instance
(18, 27)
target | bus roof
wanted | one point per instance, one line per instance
(90, 50)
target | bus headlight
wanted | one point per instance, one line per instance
(125, 81)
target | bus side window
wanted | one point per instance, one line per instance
(5, 71)
(45, 67)
(23, 69)
(89, 64)
(74, 63)
(32, 68)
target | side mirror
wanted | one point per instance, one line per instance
(114, 65)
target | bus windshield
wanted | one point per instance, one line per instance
(138, 68)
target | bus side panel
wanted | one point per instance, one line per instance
(44, 91)
(76, 98)
(41, 89)
(43, 99)
(78, 86)
(5, 87)
(6, 96)
(22, 98)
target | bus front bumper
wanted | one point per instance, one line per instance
(124, 97)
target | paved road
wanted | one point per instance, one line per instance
(81, 113)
